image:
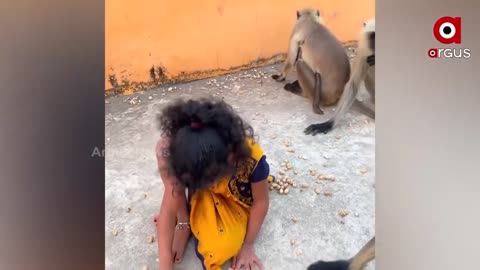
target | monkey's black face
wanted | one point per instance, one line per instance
(335, 265)
(371, 41)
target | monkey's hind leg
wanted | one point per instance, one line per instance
(294, 88)
(311, 85)
(294, 53)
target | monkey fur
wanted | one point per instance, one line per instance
(363, 69)
(320, 60)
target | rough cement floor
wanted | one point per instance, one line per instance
(132, 180)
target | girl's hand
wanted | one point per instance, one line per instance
(246, 258)
(166, 266)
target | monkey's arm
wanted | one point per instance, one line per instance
(363, 108)
(369, 82)
(364, 256)
(293, 53)
(291, 59)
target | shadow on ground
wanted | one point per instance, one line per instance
(134, 189)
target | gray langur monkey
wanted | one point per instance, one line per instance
(363, 69)
(321, 62)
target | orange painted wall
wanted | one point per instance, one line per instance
(202, 35)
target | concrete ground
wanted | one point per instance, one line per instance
(134, 189)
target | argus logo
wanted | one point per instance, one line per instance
(448, 30)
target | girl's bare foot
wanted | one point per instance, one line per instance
(180, 241)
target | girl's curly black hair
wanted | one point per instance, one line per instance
(206, 137)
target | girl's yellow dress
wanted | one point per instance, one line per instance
(219, 215)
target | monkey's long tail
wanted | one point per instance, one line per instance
(364, 256)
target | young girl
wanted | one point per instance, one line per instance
(207, 150)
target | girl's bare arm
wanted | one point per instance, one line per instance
(258, 211)
(173, 200)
